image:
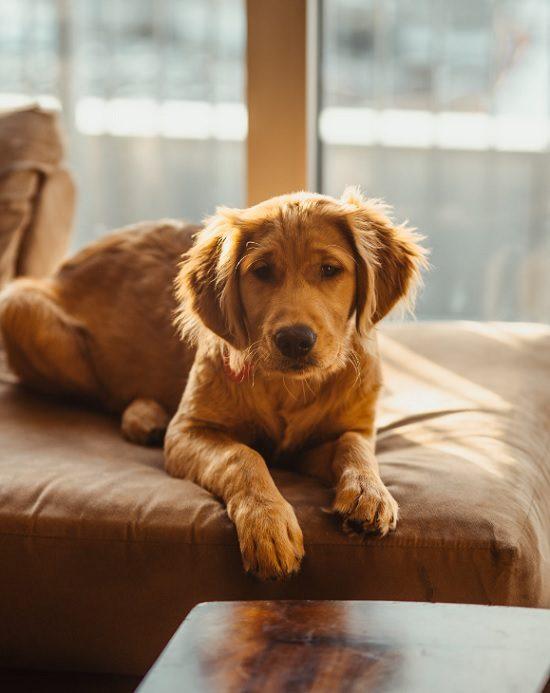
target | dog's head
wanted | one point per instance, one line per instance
(286, 282)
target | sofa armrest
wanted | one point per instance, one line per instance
(37, 194)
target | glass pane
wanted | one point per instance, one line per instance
(152, 96)
(442, 108)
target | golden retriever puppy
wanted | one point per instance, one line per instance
(276, 305)
(281, 300)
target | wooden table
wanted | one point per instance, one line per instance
(355, 646)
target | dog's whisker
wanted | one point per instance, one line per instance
(250, 353)
(305, 384)
(308, 385)
(286, 388)
(356, 365)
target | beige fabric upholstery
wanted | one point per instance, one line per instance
(37, 195)
(102, 554)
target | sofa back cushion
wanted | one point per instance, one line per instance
(37, 194)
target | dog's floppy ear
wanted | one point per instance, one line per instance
(207, 286)
(388, 258)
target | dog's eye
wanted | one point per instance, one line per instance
(330, 270)
(263, 272)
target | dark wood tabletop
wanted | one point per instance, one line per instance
(276, 646)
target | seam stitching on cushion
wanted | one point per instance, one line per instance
(505, 548)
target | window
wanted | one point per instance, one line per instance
(442, 108)
(152, 96)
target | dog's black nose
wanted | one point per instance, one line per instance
(295, 341)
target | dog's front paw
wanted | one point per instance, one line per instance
(270, 538)
(365, 504)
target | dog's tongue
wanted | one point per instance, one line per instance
(236, 376)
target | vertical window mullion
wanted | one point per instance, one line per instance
(276, 95)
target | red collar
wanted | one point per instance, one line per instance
(236, 377)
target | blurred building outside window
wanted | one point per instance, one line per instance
(440, 107)
(152, 95)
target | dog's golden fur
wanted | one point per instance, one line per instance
(101, 328)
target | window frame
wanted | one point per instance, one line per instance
(282, 58)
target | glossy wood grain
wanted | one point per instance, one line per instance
(355, 646)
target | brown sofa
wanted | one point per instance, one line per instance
(37, 194)
(102, 554)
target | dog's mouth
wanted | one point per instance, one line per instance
(297, 367)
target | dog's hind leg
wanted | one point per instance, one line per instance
(144, 421)
(46, 347)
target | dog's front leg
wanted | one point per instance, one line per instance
(349, 464)
(269, 535)
(361, 497)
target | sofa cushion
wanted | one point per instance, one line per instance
(102, 554)
(37, 195)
